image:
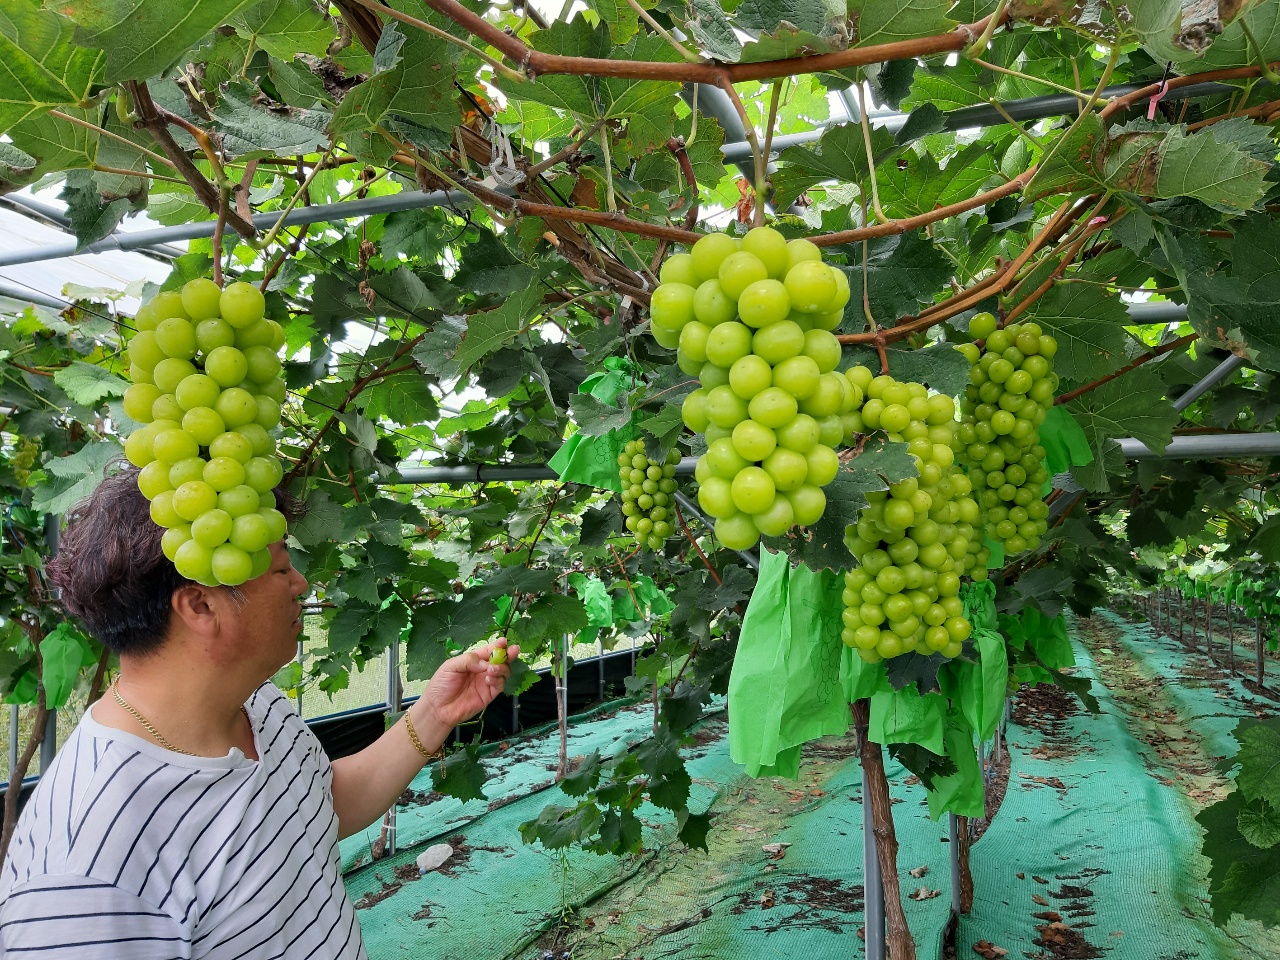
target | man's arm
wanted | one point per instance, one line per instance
(366, 784)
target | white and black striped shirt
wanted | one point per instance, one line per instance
(126, 849)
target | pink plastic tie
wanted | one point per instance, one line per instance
(1158, 95)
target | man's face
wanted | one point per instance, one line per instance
(267, 624)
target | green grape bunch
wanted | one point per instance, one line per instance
(914, 542)
(648, 494)
(207, 387)
(1011, 390)
(752, 320)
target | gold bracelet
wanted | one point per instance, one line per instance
(417, 743)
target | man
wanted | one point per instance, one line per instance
(192, 813)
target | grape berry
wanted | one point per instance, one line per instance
(648, 494)
(207, 387)
(913, 543)
(752, 320)
(1011, 390)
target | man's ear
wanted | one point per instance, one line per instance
(195, 607)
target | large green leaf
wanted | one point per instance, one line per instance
(143, 38)
(1070, 165)
(902, 273)
(1243, 878)
(1165, 162)
(1259, 759)
(287, 28)
(891, 21)
(1134, 405)
(88, 384)
(915, 185)
(1088, 323)
(75, 477)
(58, 144)
(250, 131)
(790, 28)
(494, 329)
(40, 67)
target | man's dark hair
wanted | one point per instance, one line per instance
(112, 573)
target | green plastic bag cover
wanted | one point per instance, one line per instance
(962, 792)
(599, 605)
(862, 680)
(979, 686)
(1047, 637)
(1065, 445)
(904, 716)
(785, 688)
(996, 560)
(653, 601)
(594, 460)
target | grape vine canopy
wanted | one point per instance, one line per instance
(568, 154)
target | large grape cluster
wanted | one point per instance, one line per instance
(648, 492)
(913, 543)
(752, 320)
(1011, 390)
(207, 387)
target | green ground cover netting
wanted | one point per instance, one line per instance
(497, 897)
(1094, 831)
(1094, 853)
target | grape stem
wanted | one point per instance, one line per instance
(1156, 352)
(688, 533)
(626, 579)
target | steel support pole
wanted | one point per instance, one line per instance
(953, 832)
(1258, 652)
(872, 883)
(394, 692)
(1231, 641)
(15, 718)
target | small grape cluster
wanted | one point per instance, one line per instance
(913, 543)
(1011, 390)
(752, 320)
(648, 494)
(207, 387)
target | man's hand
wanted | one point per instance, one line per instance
(466, 684)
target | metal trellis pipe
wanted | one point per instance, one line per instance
(1221, 372)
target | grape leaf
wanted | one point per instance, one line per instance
(789, 28)
(1243, 878)
(287, 28)
(891, 21)
(594, 418)
(584, 777)
(494, 329)
(902, 273)
(461, 775)
(40, 67)
(558, 827)
(251, 131)
(693, 829)
(839, 155)
(1259, 759)
(1134, 405)
(144, 38)
(1070, 168)
(1088, 323)
(1260, 824)
(75, 477)
(708, 25)
(17, 169)
(88, 384)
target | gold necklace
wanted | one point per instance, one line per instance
(115, 691)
